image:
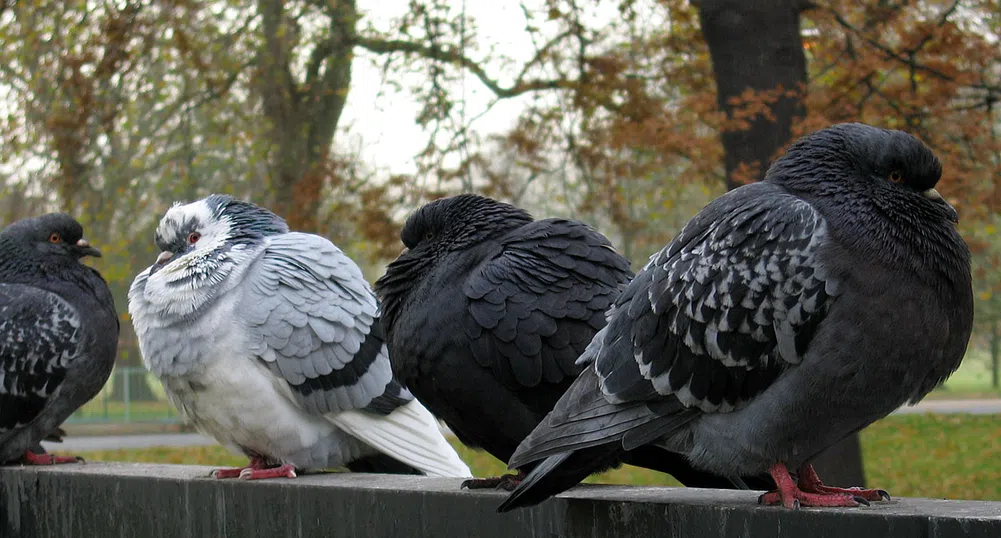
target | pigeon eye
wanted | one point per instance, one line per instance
(55, 238)
(193, 237)
(428, 236)
(896, 176)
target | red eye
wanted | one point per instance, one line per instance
(193, 237)
(54, 238)
(896, 176)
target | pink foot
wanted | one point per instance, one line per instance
(255, 463)
(284, 471)
(30, 458)
(791, 496)
(811, 483)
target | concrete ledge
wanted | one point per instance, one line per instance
(176, 501)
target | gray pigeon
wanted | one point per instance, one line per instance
(786, 315)
(269, 341)
(58, 333)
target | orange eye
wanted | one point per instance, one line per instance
(55, 238)
(193, 237)
(896, 176)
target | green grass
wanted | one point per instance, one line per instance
(971, 380)
(937, 456)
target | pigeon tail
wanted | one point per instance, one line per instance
(561, 472)
(410, 434)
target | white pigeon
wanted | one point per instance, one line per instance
(270, 342)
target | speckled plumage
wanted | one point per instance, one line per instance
(487, 312)
(58, 330)
(270, 341)
(785, 316)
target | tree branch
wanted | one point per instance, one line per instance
(453, 56)
(892, 54)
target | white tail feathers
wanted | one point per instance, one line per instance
(410, 434)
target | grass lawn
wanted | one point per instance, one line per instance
(943, 456)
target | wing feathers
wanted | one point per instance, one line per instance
(409, 434)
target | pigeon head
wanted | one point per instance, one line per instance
(201, 231)
(893, 169)
(441, 227)
(876, 189)
(457, 222)
(55, 236)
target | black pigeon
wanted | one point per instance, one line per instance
(58, 333)
(486, 313)
(786, 315)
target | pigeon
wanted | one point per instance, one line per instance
(486, 312)
(269, 341)
(785, 316)
(58, 333)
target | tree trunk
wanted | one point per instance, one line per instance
(756, 45)
(303, 114)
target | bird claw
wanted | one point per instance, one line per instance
(30, 458)
(282, 471)
(505, 482)
(811, 483)
(221, 474)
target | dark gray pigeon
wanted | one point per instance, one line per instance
(786, 315)
(58, 333)
(269, 341)
(486, 314)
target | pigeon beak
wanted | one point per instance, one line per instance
(84, 249)
(164, 257)
(934, 196)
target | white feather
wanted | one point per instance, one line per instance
(410, 434)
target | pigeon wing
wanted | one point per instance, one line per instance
(710, 323)
(534, 307)
(311, 318)
(39, 339)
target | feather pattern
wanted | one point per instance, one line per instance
(280, 339)
(58, 329)
(785, 316)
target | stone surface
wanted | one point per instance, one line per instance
(175, 501)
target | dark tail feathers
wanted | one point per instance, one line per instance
(561, 472)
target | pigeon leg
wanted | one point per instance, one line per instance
(811, 483)
(30, 458)
(507, 482)
(255, 463)
(282, 471)
(791, 496)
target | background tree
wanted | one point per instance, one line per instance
(629, 114)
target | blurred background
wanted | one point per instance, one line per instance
(345, 115)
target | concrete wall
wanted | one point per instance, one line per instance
(98, 500)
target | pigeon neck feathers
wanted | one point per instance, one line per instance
(446, 225)
(460, 221)
(40, 251)
(205, 243)
(864, 179)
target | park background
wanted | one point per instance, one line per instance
(345, 115)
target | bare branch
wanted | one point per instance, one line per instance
(451, 55)
(892, 54)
